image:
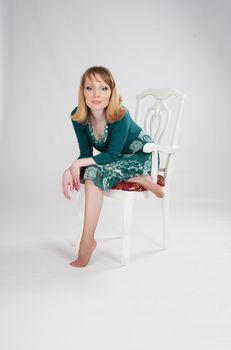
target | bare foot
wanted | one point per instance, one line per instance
(147, 182)
(152, 186)
(157, 190)
(85, 252)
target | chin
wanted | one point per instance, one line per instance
(97, 107)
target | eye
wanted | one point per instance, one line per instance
(104, 88)
(88, 88)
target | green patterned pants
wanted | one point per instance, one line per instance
(134, 163)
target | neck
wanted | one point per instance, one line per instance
(97, 115)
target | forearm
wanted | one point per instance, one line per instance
(84, 162)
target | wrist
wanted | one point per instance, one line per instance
(75, 163)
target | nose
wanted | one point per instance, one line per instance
(96, 92)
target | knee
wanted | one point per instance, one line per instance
(90, 184)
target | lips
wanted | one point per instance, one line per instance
(96, 101)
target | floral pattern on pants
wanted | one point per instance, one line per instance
(130, 164)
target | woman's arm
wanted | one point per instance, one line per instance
(83, 162)
(85, 146)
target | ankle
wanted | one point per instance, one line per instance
(86, 242)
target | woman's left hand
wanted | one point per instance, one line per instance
(75, 172)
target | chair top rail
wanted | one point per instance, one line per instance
(161, 93)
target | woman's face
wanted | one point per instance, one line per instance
(96, 92)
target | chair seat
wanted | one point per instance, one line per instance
(133, 186)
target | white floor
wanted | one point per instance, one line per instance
(174, 299)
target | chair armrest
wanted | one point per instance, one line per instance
(151, 146)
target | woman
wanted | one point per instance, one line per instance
(100, 121)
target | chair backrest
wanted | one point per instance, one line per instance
(157, 118)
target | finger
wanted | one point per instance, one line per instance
(66, 193)
(76, 183)
(73, 186)
(71, 183)
(63, 190)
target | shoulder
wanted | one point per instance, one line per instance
(75, 123)
(125, 120)
(74, 111)
(127, 116)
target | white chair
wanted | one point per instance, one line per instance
(156, 122)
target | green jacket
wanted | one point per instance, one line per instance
(120, 135)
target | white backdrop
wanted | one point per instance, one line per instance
(47, 45)
(175, 299)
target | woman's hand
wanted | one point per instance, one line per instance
(75, 172)
(67, 180)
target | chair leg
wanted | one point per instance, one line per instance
(165, 208)
(128, 203)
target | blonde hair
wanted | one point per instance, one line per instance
(114, 111)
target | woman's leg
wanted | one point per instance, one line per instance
(146, 182)
(93, 204)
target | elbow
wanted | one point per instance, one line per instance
(114, 157)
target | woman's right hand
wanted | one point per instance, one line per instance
(67, 180)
